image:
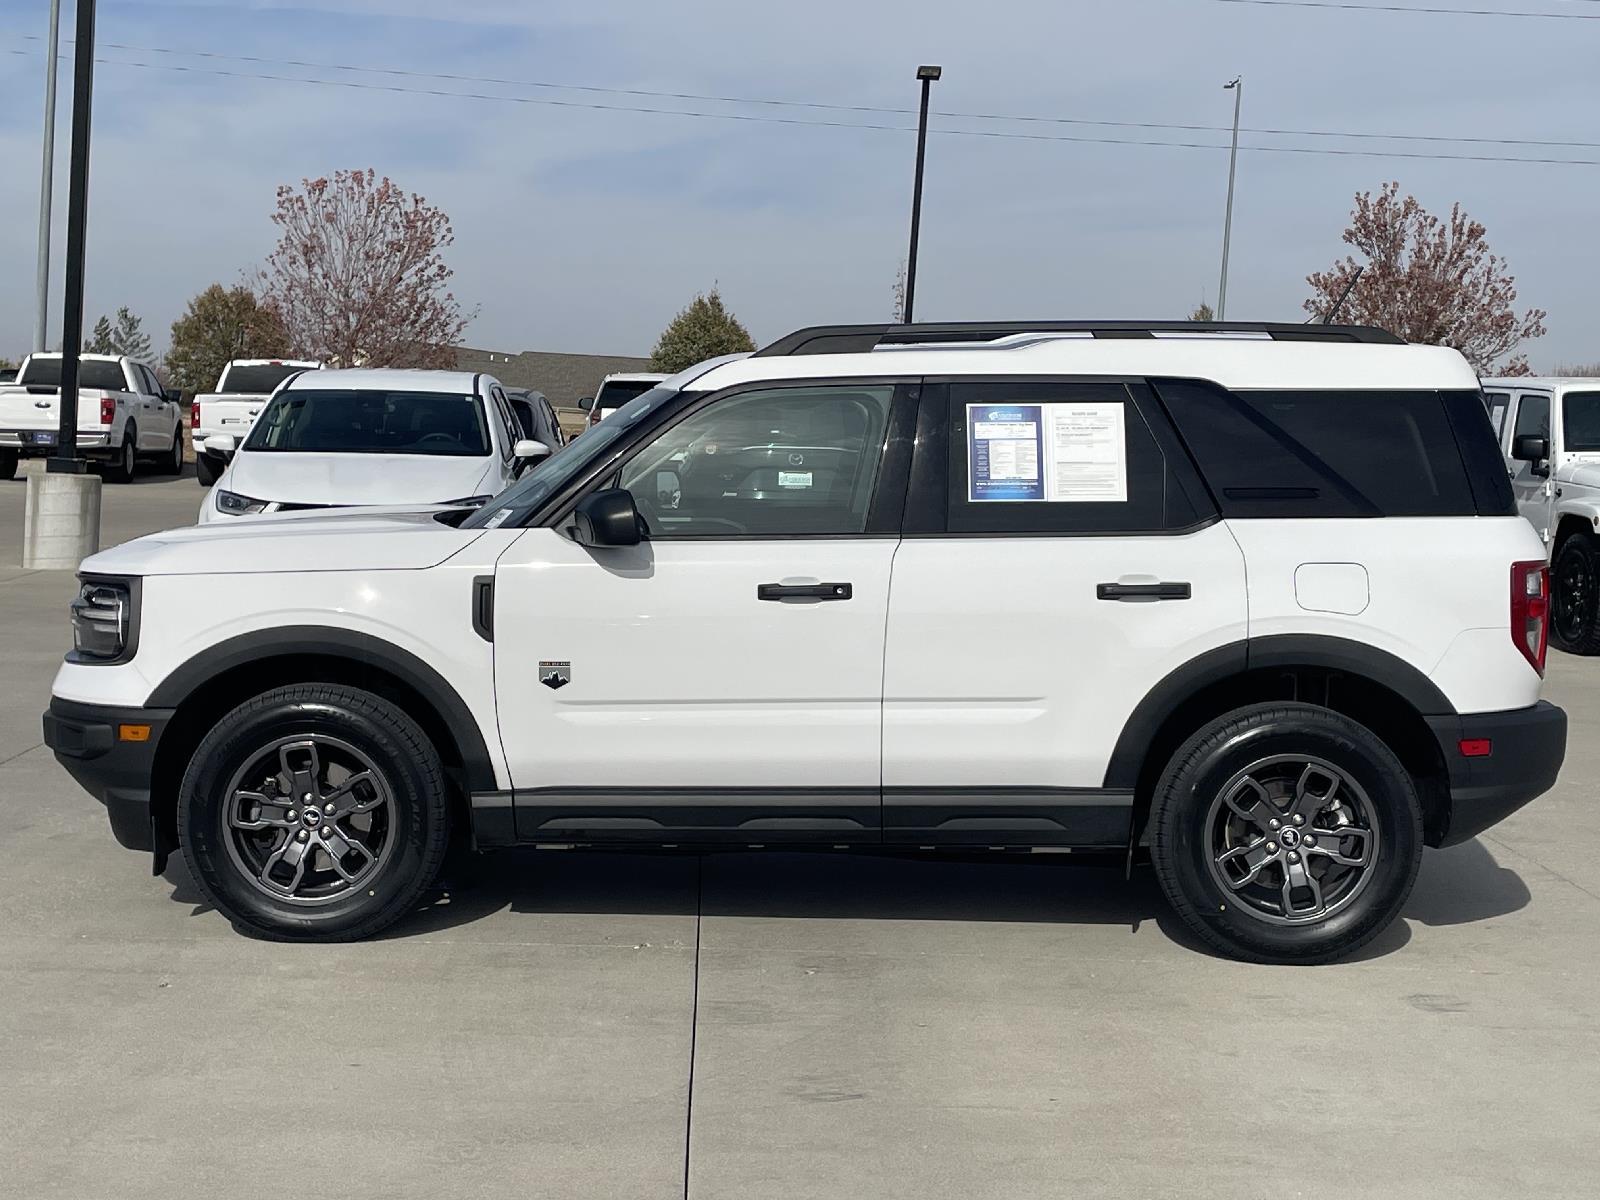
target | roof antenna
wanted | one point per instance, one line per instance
(1343, 296)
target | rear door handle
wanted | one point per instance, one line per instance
(804, 591)
(1142, 591)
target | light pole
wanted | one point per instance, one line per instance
(46, 181)
(927, 75)
(1237, 88)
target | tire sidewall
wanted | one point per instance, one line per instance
(176, 462)
(418, 800)
(1210, 760)
(1578, 545)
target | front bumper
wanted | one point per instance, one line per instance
(92, 743)
(1527, 748)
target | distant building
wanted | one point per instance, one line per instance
(563, 378)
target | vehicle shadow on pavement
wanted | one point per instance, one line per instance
(1455, 887)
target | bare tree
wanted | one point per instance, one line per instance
(1578, 370)
(358, 278)
(899, 294)
(1204, 313)
(1428, 281)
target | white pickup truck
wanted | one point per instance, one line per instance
(242, 392)
(123, 414)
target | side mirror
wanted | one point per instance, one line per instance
(606, 518)
(172, 394)
(586, 403)
(528, 448)
(1531, 448)
(220, 444)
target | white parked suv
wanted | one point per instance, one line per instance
(337, 439)
(1550, 434)
(124, 414)
(1257, 597)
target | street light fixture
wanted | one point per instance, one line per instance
(1237, 88)
(927, 75)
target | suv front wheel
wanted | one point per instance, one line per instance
(314, 813)
(1286, 833)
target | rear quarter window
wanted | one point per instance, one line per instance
(1339, 453)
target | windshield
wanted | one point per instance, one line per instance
(512, 506)
(1581, 420)
(310, 421)
(95, 373)
(619, 391)
(261, 377)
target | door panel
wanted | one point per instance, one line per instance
(1532, 491)
(692, 710)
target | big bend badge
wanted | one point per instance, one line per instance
(555, 675)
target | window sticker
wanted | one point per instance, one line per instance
(1056, 453)
(498, 519)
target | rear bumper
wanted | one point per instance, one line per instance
(1527, 748)
(23, 441)
(88, 740)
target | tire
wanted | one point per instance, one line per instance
(174, 463)
(233, 821)
(204, 469)
(121, 469)
(1272, 755)
(8, 464)
(1574, 587)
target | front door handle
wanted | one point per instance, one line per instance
(1142, 591)
(804, 591)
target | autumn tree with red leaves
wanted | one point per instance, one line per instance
(1427, 280)
(358, 277)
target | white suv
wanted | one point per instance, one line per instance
(1257, 597)
(337, 439)
(1550, 435)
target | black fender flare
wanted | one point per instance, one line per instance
(1282, 650)
(351, 646)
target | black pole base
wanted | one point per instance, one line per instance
(66, 466)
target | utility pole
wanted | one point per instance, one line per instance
(47, 181)
(927, 75)
(1237, 88)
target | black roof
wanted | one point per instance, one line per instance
(851, 339)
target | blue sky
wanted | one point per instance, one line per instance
(585, 230)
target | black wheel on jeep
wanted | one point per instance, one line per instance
(205, 470)
(121, 468)
(174, 463)
(8, 464)
(1286, 833)
(314, 813)
(1574, 623)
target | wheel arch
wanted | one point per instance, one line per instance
(1571, 519)
(214, 681)
(1382, 691)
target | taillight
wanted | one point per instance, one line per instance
(1530, 610)
(194, 415)
(108, 410)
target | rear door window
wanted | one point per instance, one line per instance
(1324, 453)
(1497, 403)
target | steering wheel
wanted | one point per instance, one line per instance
(440, 437)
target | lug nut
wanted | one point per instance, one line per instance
(1293, 857)
(306, 797)
(302, 835)
(1274, 823)
(1299, 820)
(328, 808)
(1311, 842)
(1272, 847)
(293, 815)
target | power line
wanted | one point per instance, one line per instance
(701, 97)
(1396, 8)
(775, 120)
(1034, 119)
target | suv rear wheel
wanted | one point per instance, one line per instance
(1574, 621)
(1286, 833)
(314, 813)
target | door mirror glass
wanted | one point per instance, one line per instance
(220, 444)
(1530, 447)
(606, 518)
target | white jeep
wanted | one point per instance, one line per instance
(1255, 597)
(1550, 434)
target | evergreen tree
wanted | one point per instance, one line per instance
(703, 330)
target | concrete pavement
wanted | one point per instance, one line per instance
(778, 1026)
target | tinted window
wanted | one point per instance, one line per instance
(783, 462)
(262, 378)
(619, 391)
(1533, 416)
(1321, 453)
(371, 422)
(1063, 458)
(94, 373)
(1580, 421)
(1497, 403)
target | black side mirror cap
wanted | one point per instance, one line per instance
(172, 394)
(606, 518)
(1530, 447)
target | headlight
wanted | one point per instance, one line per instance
(103, 619)
(236, 505)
